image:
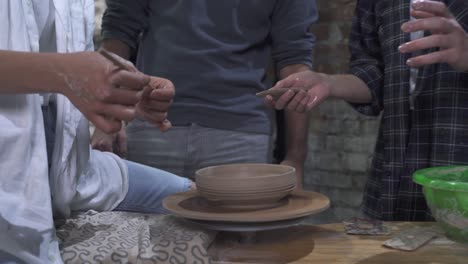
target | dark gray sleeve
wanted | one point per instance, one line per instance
(124, 20)
(292, 41)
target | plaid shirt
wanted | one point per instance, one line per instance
(432, 130)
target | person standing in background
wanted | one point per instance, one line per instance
(418, 83)
(216, 53)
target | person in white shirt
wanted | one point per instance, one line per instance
(71, 89)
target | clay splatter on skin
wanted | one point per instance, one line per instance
(77, 85)
(80, 85)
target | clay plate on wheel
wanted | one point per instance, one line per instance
(299, 203)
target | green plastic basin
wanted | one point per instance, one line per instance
(446, 193)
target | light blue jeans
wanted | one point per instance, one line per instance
(147, 188)
(184, 149)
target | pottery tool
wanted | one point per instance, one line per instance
(278, 92)
(362, 226)
(108, 55)
(114, 60)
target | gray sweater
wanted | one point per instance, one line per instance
(215, 52)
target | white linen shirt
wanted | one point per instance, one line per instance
(80, 178)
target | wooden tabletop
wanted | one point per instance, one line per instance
(330, 244)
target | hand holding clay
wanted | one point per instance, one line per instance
(156, 96)
(155, 102)
(116, 142)
(314, 88)
(104, 92)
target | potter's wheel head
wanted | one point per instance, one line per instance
(298, 204)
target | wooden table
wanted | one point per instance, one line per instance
(329, 243)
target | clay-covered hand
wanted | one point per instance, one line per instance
(115, 142)
(314, 88)
(105, 93)
(156, 100)
(446, 34)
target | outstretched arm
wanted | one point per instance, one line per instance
(314, 88)
(91, 82)
(296, 128)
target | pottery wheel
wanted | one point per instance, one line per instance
(246, 227)
(298, 204)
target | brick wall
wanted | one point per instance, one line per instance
(341, 141)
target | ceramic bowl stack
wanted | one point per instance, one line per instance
(246, 186)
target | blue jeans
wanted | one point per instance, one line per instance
(147, 187)
(184, 149)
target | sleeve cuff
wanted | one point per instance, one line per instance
(110, 34)
(372, 78)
